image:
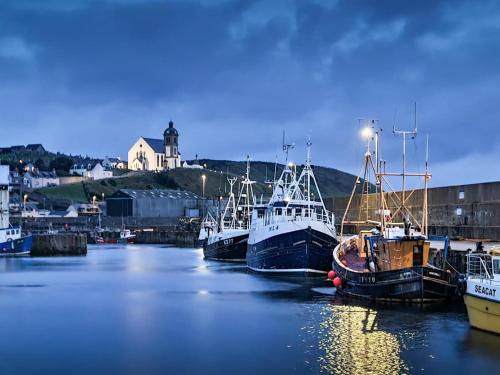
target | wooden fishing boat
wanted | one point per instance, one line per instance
(388, 258)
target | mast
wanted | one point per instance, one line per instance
(425, 213)
(231, 204)
(308, 168)
(413, 133)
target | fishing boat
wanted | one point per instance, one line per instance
(482, 292)
(122, 236)
(12, 241)
(230, 239)
(293, 233)
(388, 258)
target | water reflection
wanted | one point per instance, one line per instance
(353, 342)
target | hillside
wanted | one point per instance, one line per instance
(332, 182)
(184, 179)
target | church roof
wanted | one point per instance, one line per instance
(156, 144)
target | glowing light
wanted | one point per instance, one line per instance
(366, 133)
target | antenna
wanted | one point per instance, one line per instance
(286, 148)
(308, 144)
(413, 133)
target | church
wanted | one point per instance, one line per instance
(151, 154)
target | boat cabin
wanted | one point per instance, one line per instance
(370, 251)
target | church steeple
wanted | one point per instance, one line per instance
(171, 142)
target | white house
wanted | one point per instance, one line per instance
(150, 154)
(114, 163)
(93, 170)
(36, 179)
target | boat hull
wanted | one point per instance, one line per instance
(413, 284)
(19, 246)
(305, 251)
(483, 313)
(230, 249)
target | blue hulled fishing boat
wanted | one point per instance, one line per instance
(293, 233)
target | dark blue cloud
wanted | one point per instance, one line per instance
(91, 76)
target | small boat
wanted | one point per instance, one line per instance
(294, 233)
(388, 260)
(126, 236)
(12, 241)
(482, 292)
(230, 239)
(114, 236)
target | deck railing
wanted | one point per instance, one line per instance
(272, 219)
(479, 266)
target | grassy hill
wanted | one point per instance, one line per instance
(184, 179)
(332, 182)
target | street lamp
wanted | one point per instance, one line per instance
(25, 199)
(203, 179)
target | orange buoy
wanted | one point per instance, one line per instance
(331, 275)
(337, 282)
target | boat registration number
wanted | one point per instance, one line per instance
(228, 241)
(367, 279)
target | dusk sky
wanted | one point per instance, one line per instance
(90, 77)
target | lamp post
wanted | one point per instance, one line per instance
(25, 199)
(203, 179)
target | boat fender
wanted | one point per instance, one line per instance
(337, 282)
(344, 262)
(372, 266)
(461, 285)
(331, 275)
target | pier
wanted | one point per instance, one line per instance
(61, 244)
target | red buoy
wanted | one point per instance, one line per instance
(337, 282)
(331, 275)
(344, 262)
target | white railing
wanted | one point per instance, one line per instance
(479, 266)
(325, 217)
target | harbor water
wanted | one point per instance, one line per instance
(136, 309)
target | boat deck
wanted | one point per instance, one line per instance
(354, 261)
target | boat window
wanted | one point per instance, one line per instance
(418, 256)
(278, 211)
(298, 211)
(289, 211)
(17, 231)
(496, 266)
(8, 232)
